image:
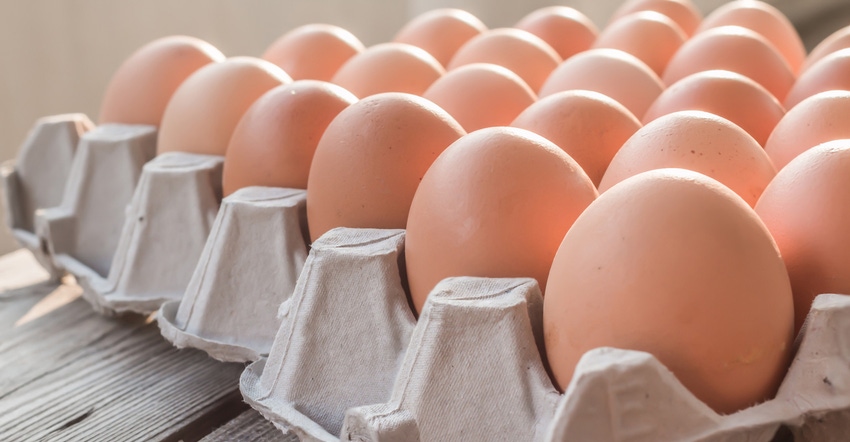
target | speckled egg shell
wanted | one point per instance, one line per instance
(202, 113)
(588, 126)
(673, 263)
(370, 160)
(650, 36)
(274, 142)
(314, 51)
(496, 203)
(565, 29)
(389, 67)
(724, 93)
(481, 95)
(141, 87)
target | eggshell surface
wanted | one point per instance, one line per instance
(522, 52)
(202, 113)
(496, 203)
(481, 95)
(820, 118)
(726, 94)
(764, 19)
(673, 263)
(141, 87)
(683, 12)
(274, 142)
(441, 32)
(697, 141)
(832, 72)
(371, 159)
(389, 67)
(735, 49)
(836, 41)
(565, 29)
(806, 209)
(588, 126)
(650, 36)
(612, 72)
(314, 51)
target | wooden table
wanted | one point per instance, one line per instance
(67, 373)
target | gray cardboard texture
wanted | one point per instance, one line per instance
(83, 231)
(472, 370)
(342, 337)
(36, 179)
(629, 396)
(167, 224)
(249, 266)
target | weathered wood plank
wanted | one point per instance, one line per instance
(249, 426)
(74, 375)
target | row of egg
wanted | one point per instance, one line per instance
(666, 261)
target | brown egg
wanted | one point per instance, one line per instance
(764, 19)
(141, 87)
(565, 29)
(806, 208)
(650, 36)
(202, 113)
(370, 160)
(274, 142)
(683, 12)
(314, 51)
(481, 95)
(522, 52)
(838, 40)
(697, 141)
(588, 126)
(496, 203)
(441, 32)
(612, 72)
(389, 67)
(735, 49)
(820, 118)
(673, 263)
(724, 93)
(832, 72)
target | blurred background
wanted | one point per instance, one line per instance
(56, 56)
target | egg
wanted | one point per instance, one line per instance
(612, 72)
(522, 52)
(389, 67)
(838, 40)
(831, 72)
(274, 142)
(820, 118)
(724, 93)
(806, 208)
(650, 36)
(764, 19)
(565, 29)
(314, 51)
(202, 113)
(683, 12)
(735, 49)
(697, 141)
(481, 95)
(588, 126)
(495, 203)
(370, 160)
(141, 87)
(441, 32)
(673, 263)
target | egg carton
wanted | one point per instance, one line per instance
(248, 268)
(350, 360)
(80, 235)
(167, 222)
(342, 336)
(36, 179)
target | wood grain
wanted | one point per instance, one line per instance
(249, 426)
